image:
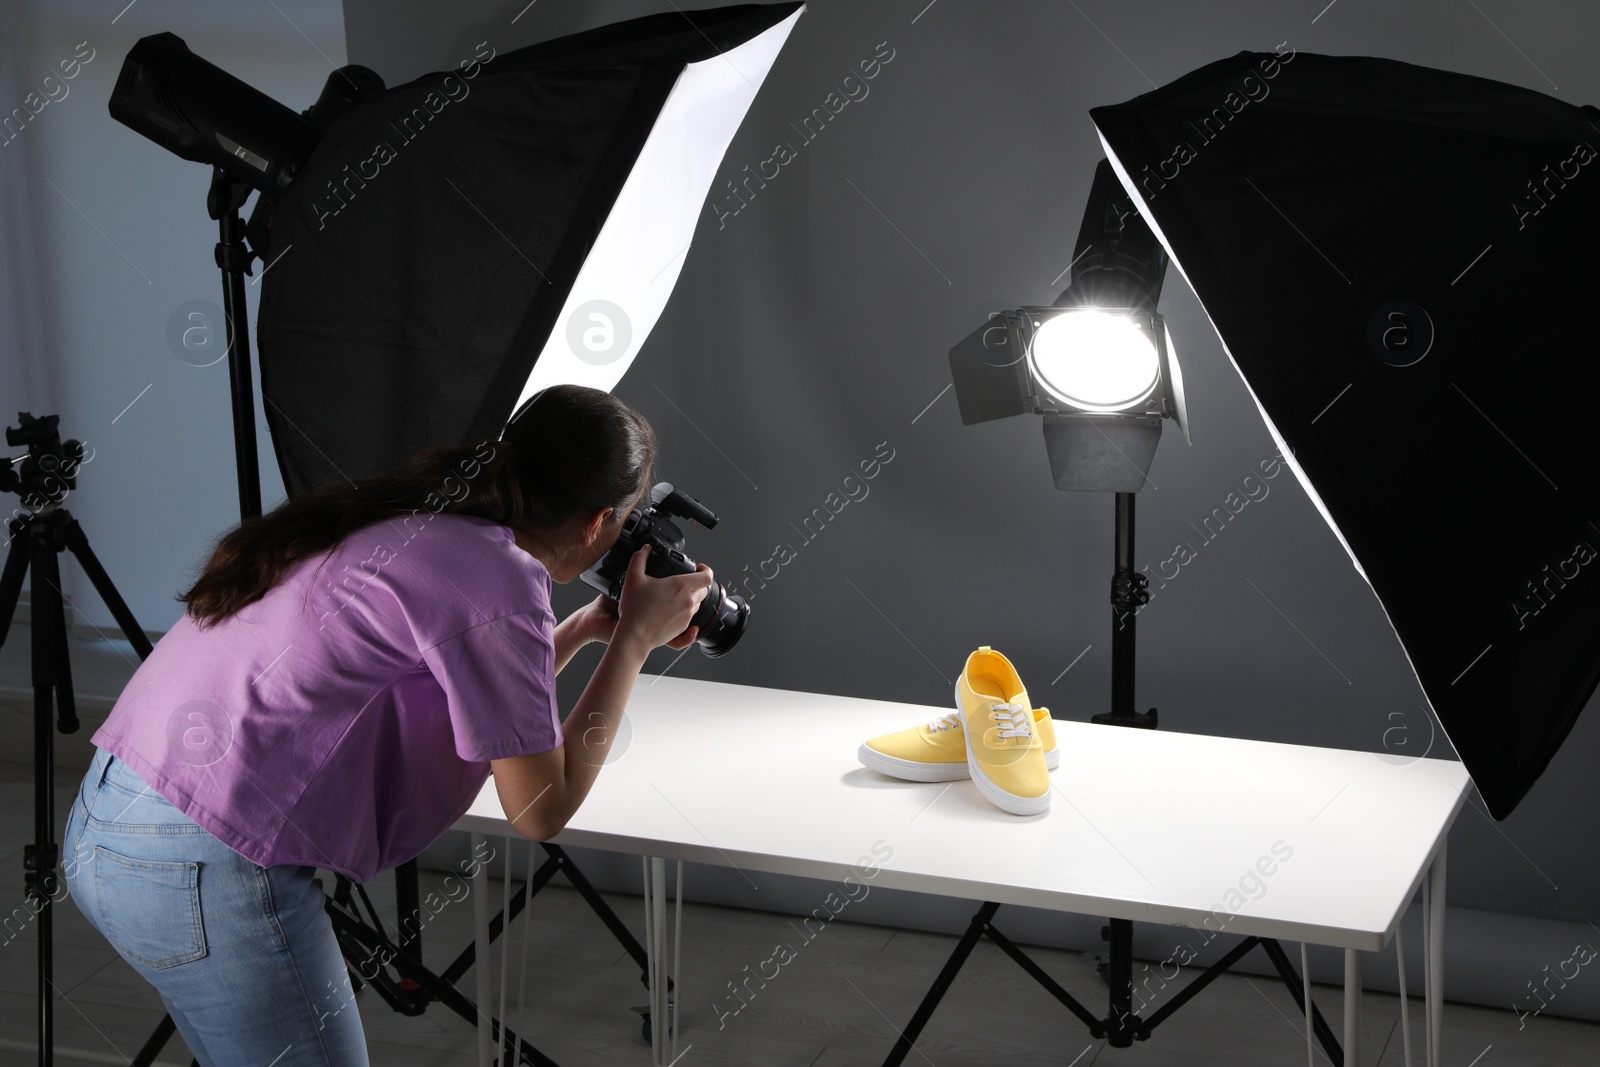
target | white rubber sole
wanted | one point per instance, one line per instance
(910, 770)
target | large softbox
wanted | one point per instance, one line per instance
(1396, 260)
(462, 240)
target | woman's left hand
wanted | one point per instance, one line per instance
(599, 618)
(597, 621)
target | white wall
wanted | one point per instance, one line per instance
(21, 346)
(110, 268)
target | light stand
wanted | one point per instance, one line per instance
(1098, 366)
(653, 152)
(360, 939)
(223, 202)
(1129, 593)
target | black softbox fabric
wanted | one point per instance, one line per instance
(1397, 260)
(419, 260)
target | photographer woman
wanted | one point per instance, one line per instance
(350, 669)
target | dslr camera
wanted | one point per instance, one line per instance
(722, 616)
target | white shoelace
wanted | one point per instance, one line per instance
(1013, 720)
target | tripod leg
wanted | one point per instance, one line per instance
(52, 677)
(16, 568)
(408, 906)
(1319, 1025)
(156, 1042)
(47, 624)
(468, 955)
(66, 704)
(597, 904)
(941, 984)
(78, 542)
(357, 938)
(1051, 986)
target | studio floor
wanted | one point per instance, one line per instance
(839, 1002)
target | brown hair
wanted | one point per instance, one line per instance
(571, 450)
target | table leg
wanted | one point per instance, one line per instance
(1427, 965)
(502, 1049)
(650, 957)
(1435, 951)
(1352, 1007)
(660, 1019)
(480, 937)
(663, 978)
(675, 987)
(1405, 1005)
(1305, 979)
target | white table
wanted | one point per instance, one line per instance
(1151, 826)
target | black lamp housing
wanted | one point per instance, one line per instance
(1118, 270)
(199, 112)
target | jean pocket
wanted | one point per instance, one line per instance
(150, 909)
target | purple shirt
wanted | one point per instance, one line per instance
(345, 719)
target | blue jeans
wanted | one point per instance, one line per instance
(244, 956)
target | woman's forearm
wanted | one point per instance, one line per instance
(590, 731)
(570, 634)
(541, 791)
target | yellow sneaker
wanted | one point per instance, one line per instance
(937, 751)
(1005, 754)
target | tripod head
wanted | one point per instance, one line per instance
(48, 471)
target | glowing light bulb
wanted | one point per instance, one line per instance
(1095, 360)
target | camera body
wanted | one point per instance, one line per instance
(722, 616)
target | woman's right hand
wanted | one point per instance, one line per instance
(656, 611)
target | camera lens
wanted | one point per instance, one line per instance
(721, 623)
